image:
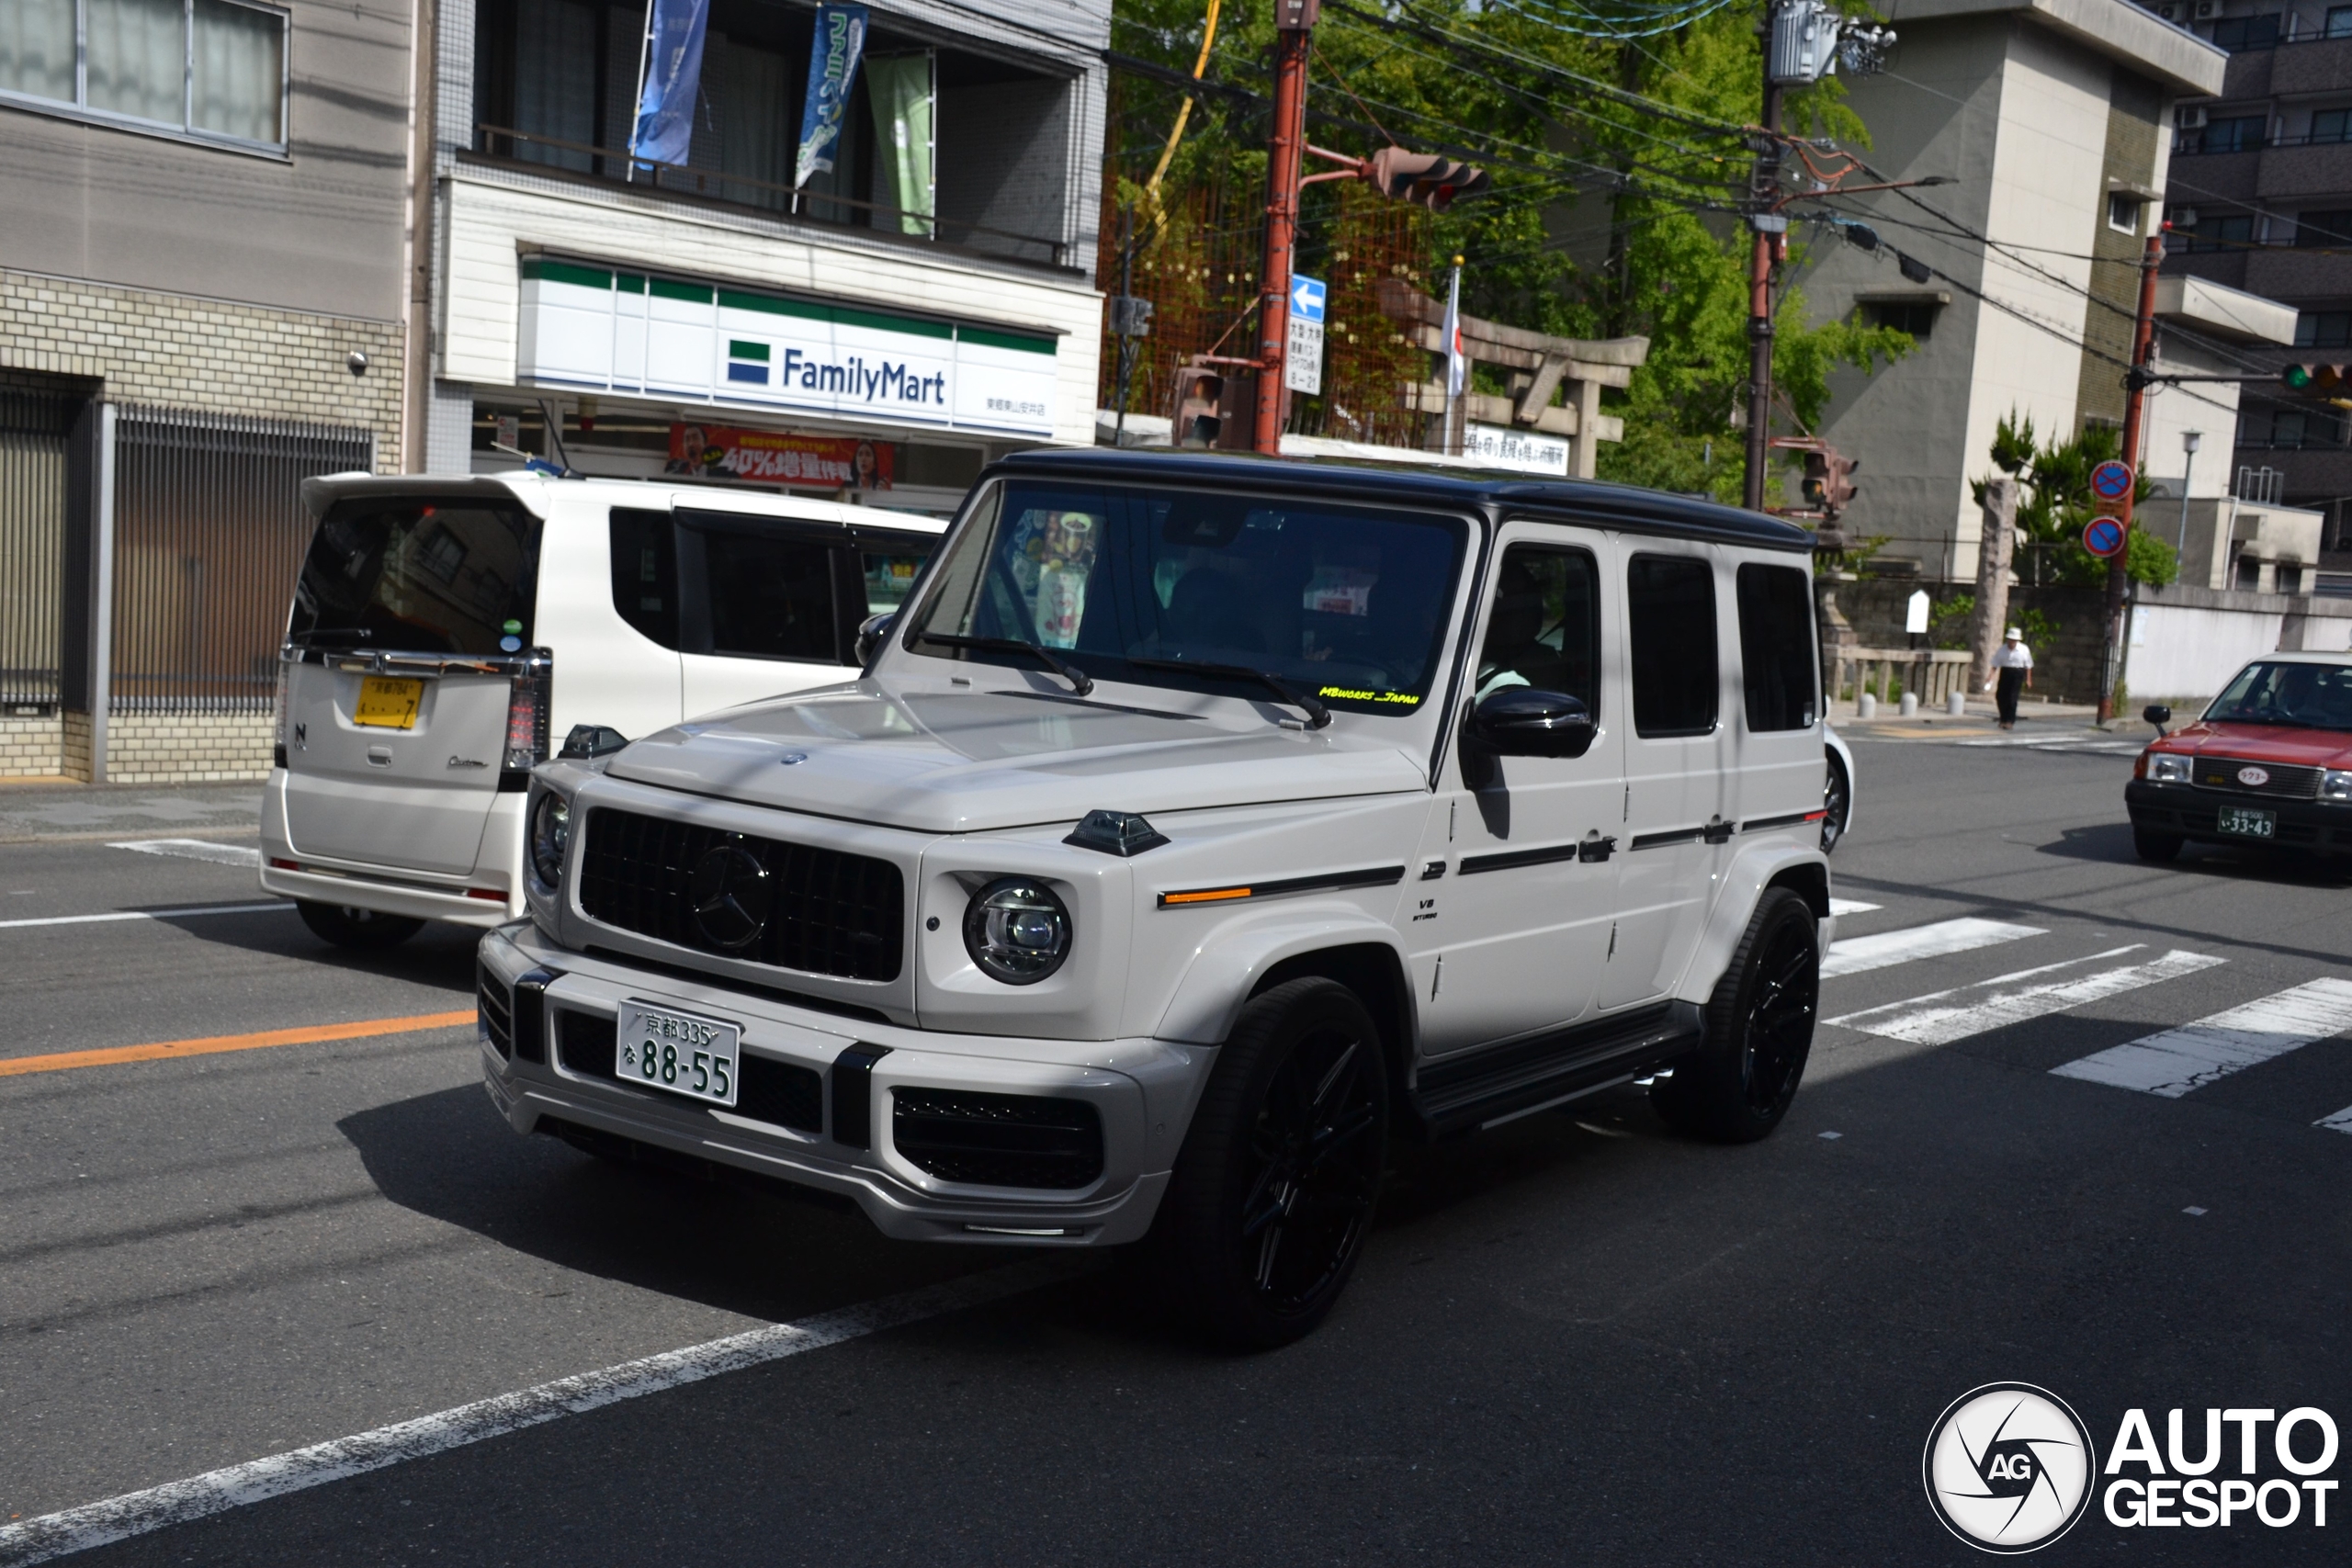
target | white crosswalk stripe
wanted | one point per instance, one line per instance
(1859, 954)
(2178, 1060)
(1942, 1017)
(1844, 907)
(2341, 1122)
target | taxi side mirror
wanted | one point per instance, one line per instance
(2157, 715)
(1519, 721)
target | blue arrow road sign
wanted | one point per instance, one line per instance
(1307, 298)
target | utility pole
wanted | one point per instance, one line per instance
(2118, 568)
(1771, 234)
(1294, 24)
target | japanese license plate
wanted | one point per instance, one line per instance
(2249, 822)
(387, 702)
(658, 1048)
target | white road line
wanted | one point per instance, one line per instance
(1843, 907)
(1857, 955)
(2341, 1122)
(195, 849)
(1942, 1017)
(2190, 1058)
(177, 1502)
(142, 915)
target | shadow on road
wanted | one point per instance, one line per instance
(2111, 842)
(441, 955)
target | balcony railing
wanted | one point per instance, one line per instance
(608, 165)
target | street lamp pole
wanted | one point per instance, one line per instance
(2189, 442)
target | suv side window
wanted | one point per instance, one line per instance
(769, 598)
(645, 573)
(1545, 629)
(1776, 647)
(1670, 611)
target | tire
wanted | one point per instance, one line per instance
(1836, 801)
(1758, 1030)
(1273, 1193)
(2157, 849)
(364, 931)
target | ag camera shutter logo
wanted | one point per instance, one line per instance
(2008, 1468)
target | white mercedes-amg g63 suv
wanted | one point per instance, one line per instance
(1199, 827)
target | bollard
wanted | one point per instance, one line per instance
(1910, 704)
(1956, 705)
(1866, 706)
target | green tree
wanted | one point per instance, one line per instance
(2054, 504)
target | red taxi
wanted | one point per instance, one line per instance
(2268, 764)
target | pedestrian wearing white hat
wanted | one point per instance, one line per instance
(2012, 673)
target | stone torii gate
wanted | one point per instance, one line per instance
(1539, 366)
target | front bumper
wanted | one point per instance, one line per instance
(2190, 812)
(1141, 1090)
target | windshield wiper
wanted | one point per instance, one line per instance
(1317, 716)
(1080, 682)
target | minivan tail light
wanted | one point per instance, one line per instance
(278, 743)
(527, 717)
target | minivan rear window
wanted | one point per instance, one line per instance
(418, 576)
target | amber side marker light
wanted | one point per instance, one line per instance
(1205, 895)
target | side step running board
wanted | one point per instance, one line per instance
(1457, 1095)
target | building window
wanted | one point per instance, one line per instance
(2289, 578)
(2323, 329)
(213, 69)
(2238, 133)
(2325, 229)
(2331, 125)
(2220, 233)
(2339, 21)
(2124, 212)
(1917, 317)
(2239, 34)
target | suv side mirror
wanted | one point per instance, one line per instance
(1519, 721)
(871, 632)
(2157, 715)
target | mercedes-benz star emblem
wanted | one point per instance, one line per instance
(732, 895)
(792, 759)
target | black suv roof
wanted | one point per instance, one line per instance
(1579, 501)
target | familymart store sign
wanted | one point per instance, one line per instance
(616, 331)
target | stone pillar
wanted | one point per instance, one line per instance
(1836, 631)
(2000, 534)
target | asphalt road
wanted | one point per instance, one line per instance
(1577, 1337)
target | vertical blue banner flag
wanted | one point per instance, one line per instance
(833, 70)
(665, 102)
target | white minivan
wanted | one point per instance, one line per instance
(444, 629)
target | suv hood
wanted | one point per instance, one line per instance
(975, 760)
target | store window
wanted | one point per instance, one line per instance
(212, 70)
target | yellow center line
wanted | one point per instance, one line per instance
(164, 1050)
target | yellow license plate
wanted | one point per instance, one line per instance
(386, 704)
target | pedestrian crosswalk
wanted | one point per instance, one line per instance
(2169, 1063)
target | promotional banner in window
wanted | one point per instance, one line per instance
(722, 451)
(588, 327)
(833, 70)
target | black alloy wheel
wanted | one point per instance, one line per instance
(1273, 1195)
(362, 930)
(1836, 802)
(1758, 1030)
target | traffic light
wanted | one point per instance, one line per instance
(2318, 380)
(1429, 178)
(1828, 484)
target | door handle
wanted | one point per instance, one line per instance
(1718, 831)
(1595, 848)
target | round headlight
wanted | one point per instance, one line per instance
(550, 834)
(1016, 930)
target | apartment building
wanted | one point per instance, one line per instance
(202, 222)
(2261, 199)
(2050, 122)
(879, 329)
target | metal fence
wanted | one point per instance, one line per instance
(209, 531)
(34, 428)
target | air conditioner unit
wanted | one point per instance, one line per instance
(2171, 12)
(2188, 118)
(2184, 218)
(2207, 10)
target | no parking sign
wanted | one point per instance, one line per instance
(2103, 536)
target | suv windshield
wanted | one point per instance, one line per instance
(2308, 697)
(1343, 602)
(418, 576)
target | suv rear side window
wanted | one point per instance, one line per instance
(1670, 611)
(645, 572)
(1776, 647)
(1544, 630)
(418, 576)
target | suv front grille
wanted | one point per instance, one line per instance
(828, 912)
(496, 1005)
(998, 1139)
(2285, 779)
(765, 1089)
